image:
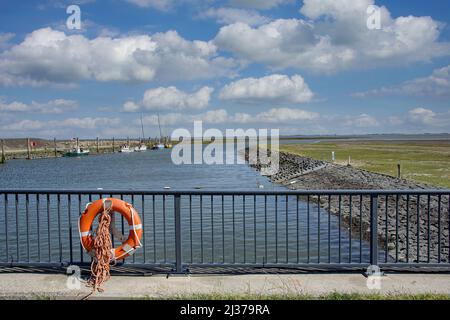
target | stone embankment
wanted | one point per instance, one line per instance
(407, 225)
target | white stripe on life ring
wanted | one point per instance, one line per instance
(85, 234)
(128, 250)
(136, 227)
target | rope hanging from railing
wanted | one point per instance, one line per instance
(99, 245)
(100, 268)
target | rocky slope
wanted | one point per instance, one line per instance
(407, 225)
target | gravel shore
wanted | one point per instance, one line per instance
(401, 219)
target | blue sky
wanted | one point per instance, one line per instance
(305, 67)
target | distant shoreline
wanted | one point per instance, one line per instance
(373, 137)
(16, 148)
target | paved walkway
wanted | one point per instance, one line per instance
(33, 286)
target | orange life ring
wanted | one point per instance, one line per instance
(114, 205)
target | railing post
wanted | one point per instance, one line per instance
(374, 229)
(178, 257)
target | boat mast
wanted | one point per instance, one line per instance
(160, 132)
(142, 127)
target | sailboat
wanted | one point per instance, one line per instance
(159, 145)
(141, 147)
(167, 144)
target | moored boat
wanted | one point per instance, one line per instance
(126, 149)
(77, 152)
(158, 146)
(140, 148)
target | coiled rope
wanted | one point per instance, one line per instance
(100, 266)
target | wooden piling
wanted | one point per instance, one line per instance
(399, 171)
(113, 145)
(54, 146)
(97, 146)
(3, 158)
(28, 149)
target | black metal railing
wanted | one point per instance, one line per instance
(283, 229)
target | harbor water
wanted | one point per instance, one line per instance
(215, 229)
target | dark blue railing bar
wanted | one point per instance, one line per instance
(174, 192)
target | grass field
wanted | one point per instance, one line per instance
(421, 161)
(332, 296)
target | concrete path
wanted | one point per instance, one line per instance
(38, 286)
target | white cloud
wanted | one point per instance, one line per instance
(168, 119)
(166, 5)
(298, 121)
(288, 120)
(422, 115)
(73, 123)
(62, 4)
(87, 123)
(4, 39)
(162, 5)
(219, 116)
(273, 88)
(86, 127)
(131, 106)
(215, 116)
(435, 85)
(47, 56)
(361, 121)
(422, 120)
(233, 15)
(25, 125)
(174, 99)
(258, 4)
(14, 107)
(335, 37)
(280, 116)
(334, 8)
(171, 99)
(57, 106)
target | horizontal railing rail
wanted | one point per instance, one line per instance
(185, 229)
(225, 192)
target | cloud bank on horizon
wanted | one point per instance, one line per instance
(306, 67)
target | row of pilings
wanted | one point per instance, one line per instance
(29, 148)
